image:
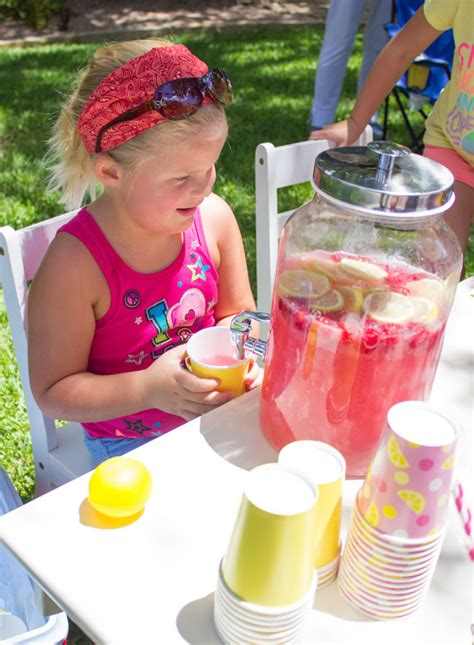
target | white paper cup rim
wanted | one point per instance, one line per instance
(368, 551)
(211, 331)
(377, 608)
(399, 425)
(380, 603)
(372, 614)
(256, 619)
(260, 631)
(261, 483)
(384, 550)
(289, 454)
(406, 570)
(397, 588)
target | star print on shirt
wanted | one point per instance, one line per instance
(212, 302)
(136, 358)
(179, 283)
(194, 244)
(138, 320)
(136, 426)
(202, 270)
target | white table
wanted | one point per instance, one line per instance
(153, 580)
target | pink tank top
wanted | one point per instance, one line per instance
(149, 314)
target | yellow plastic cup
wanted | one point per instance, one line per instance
(214, 344)
(326, 468)
(269, 560)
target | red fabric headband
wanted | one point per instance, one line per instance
(129, 86)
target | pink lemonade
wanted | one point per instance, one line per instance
(348, 339)
(219, 360)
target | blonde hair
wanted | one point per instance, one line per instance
(72, 167)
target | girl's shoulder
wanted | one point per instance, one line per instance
(219, 224)
(218, 219)
(216, 209)
(220, 227)
(69, 253)
(67, 265)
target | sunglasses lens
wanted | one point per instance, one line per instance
(219, 86)
(178, 99)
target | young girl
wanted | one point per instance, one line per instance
(156, 257)
(449, 136)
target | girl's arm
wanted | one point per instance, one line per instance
(392, 62)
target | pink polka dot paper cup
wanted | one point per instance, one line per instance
(406, 490)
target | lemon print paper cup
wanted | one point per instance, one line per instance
(406, 490)
(211, 354)
(269, 560)
(326, 468)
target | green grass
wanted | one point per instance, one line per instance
(272, 72)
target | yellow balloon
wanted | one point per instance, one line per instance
(120, 487)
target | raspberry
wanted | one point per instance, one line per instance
(301, 319)
(370, 339)
(419, 336)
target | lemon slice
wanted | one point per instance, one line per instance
(414, 500)
(330, 301)
(448, 464)
(303, 284)
(321, 262)
(429, 288)
(372, 515)
(424, 310)
(388, 307)
(395, 454)
(363, 270)
(353, 298)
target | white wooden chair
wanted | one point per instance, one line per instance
(278, 168)
(59, 454)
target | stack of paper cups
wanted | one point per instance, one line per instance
(266, 583)
(326, 468)
(398, 521)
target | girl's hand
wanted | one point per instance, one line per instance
(254, 376)
(170, 387)
(343, 133)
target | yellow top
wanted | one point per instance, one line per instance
(451, 122)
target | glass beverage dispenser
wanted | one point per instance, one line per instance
(365, 280)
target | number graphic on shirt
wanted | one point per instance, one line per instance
(157, 315)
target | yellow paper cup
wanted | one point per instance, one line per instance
(269, 560)
(326, 468)
(214, 345)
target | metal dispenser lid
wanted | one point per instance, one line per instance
(384, 178)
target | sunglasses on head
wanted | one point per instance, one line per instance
(178, 99)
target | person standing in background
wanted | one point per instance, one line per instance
(449, 136)
(343, 20)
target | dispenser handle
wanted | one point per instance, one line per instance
(240, 328)
(386, 152)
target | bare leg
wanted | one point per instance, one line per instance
(460, 216)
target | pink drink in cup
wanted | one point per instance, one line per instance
(336, 363)
(211, 355)
(219, 360)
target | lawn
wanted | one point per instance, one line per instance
(272, 72)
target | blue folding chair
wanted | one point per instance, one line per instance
(426, 76)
